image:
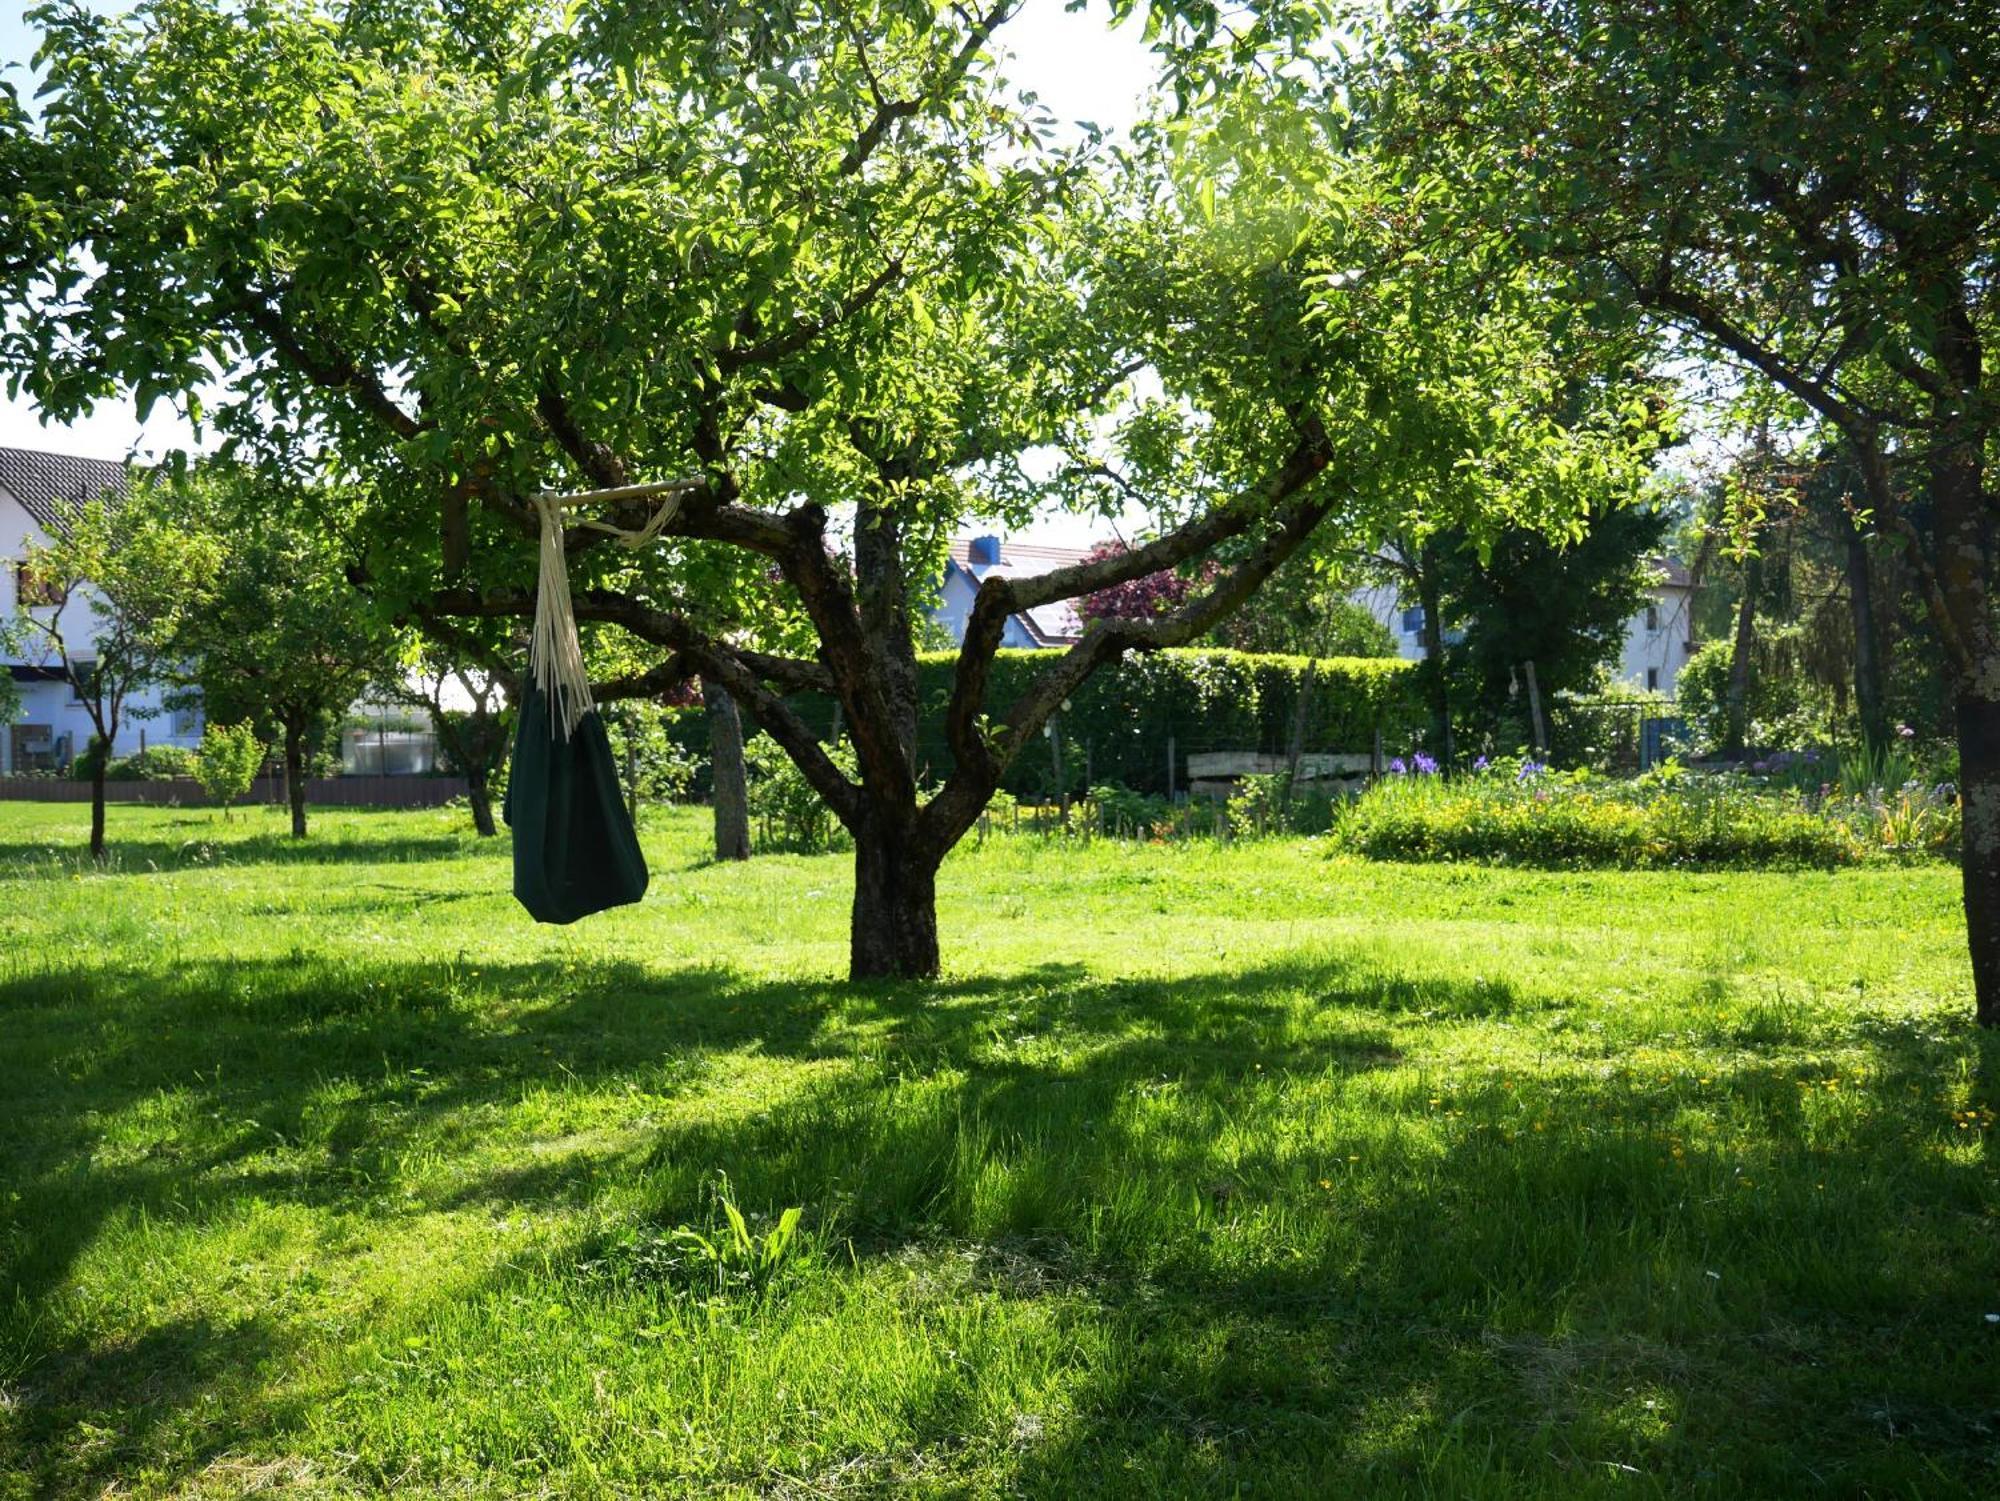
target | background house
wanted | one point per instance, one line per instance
(1659, 638)
(973, 559)
(36, 489)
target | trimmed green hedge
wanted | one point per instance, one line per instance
(1118, 725)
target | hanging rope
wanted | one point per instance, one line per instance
(555, 655)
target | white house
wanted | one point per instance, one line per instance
(973, 559)
(1659, 639)
(35, 490)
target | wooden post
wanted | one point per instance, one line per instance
(1170, 768)
(1535, 713)
(1062, 780)
(1296, 748)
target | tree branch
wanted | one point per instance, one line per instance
(888, 112)
(981, 759)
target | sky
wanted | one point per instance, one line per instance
(1081, 67)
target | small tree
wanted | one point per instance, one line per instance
(228, 761)
(280, 634)
(123, 579)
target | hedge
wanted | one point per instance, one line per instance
(1118, 725)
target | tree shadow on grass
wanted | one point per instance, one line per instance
(209, 846)
(1316, 1268)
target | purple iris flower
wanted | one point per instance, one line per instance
(1426, 766)
(1397, 768)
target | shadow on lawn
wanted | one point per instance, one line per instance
(1503, 1277)
(201, 840)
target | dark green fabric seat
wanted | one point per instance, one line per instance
(575, 851)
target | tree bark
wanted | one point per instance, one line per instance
(1438, 687)
(478, 792)
(894, 932)
(1736, 719)
(732, 787)
(1979, 793)
(97, 776)
(295, 776)
(1868, 696)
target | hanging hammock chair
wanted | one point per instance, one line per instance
(575, 850)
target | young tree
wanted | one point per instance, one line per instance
(463, 678)
(1809, 192)
(277, 632)
(227, 762)
(797, 333)
(124, 580)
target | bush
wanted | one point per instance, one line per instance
(789, 807)
(157, 763)
(227, 765)
(1521, 814)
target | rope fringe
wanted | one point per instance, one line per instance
(555, 655)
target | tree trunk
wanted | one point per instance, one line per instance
(1979, 793)
(97, 848)
(732, 788)
(478, 792)
(1868, 698)
(295, 777)
(1439, 687)
(1737, 720)
(894, 931)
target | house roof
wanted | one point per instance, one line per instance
(1673, 572)
(48, 485)
(1052, 624)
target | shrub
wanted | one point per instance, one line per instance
(1517, 813)
(227, 765)
(794, 815)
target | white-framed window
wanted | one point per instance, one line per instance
(1652, 617)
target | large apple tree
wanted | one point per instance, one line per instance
(814, 268)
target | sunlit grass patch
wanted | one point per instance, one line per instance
(1203, 1170)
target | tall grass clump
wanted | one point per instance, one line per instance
(1523, 814)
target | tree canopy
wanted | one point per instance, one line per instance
(815, 269)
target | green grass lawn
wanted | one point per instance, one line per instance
(1206, 1171)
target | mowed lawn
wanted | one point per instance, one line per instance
(1206, 1171)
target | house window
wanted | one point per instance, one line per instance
(1652, 617)
(31, 589)
(186, 723)
(1413, 620)
(1653, 679)
(82, 678)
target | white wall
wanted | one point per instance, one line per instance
(51, 704)
(955, 605)
(1657, 640)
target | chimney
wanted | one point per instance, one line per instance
(985, 550)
